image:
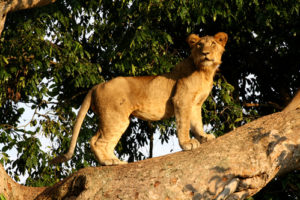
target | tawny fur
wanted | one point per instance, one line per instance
(180, 93)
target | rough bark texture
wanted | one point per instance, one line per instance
(7, 6)
(12, 190)
(234, 166)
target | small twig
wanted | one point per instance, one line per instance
(268, 104)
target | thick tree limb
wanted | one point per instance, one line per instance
(7, 6)
(233, 166)
(12, 190)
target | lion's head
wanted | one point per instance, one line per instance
(207, 50)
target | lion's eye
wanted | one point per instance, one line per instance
(213, 44)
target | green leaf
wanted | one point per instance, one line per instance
(169, 38)
(215, 17)
(2, 197)
(5, 60)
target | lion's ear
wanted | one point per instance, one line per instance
(221, 38)
(192, 39)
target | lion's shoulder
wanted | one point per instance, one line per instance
(183, 68)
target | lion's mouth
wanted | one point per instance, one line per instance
(206, 59)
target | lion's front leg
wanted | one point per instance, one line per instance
(182, 111)
(197, 125)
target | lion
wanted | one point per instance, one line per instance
(179, 93)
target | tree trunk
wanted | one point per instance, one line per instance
(234, 166)
(7, 6)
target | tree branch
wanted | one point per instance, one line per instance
(12, 190)
(7, 6)
(294, 104)
(268, 104)
(235, 165)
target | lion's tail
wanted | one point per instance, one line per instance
(81, 115)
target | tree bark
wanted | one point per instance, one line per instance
(12, 190)
(294, 104)
(7, 6)
(234, 166)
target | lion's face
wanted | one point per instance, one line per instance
(207, 50)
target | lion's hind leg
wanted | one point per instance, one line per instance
(105, 141)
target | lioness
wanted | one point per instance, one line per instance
(180, 93)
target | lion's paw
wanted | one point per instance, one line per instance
(210, 136)
(191, 144)
(206, 137)
(113, 162)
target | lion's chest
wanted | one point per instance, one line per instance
(200, 98)
(201, 94)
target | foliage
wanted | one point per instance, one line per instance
(51, 56)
